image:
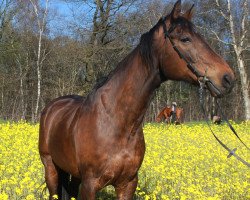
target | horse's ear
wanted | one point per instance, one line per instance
(189, 13)
(176, 10)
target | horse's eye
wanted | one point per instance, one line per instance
(186, 39)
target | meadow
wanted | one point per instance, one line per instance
(181, 163)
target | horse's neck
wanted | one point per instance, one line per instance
(128, 92)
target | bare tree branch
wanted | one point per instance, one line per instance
(220, 10)
(219, 39)
(243, 23)
(216, 35)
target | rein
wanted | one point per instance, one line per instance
(202, 79)
(231, 152)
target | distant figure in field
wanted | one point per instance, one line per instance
(170, 114)
(217, 119)
(173, 112)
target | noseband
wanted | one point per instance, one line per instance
(202, 79)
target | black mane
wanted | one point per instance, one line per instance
(146, 44)
(145, 49)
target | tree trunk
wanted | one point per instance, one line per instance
(38, 70)
(238, 33)
(41, 26)
(244, 86)
(2, 98)
(238, 48)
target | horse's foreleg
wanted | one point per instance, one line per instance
(51, 176)
(88, 190)
(126, 192)
(168, 120)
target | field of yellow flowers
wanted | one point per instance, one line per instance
(181, 162)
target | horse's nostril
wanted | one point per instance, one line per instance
(227, 81)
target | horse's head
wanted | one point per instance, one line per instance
(179, 45)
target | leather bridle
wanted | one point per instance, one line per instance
(203, 80)
(190, 66)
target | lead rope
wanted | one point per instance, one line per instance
(231, 152)
(229, 125)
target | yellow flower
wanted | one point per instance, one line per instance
(4, 196)
(55, 196)
(30, 197)
(181, 162)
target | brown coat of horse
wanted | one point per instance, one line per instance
(166, 114)
(98, 140)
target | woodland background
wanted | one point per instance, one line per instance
(51, 48)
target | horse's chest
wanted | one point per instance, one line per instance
(124, 164)
(128, 162)
(111, 158)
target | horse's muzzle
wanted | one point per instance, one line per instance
(228, 82)
(215, 92)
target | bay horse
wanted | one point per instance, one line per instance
(89, 143)
(166, 114)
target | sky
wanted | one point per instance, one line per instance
(66, 8)
(68, 14)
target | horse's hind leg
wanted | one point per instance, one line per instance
(58, 182)
(51, 175)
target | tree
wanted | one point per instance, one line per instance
(237, 18)
(41, 16)
(37, 65)
(101, 31)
